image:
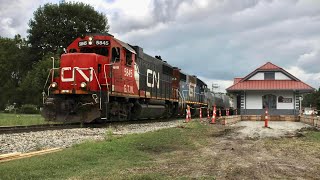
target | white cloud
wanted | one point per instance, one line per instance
(216, 40)
(311, 79)
(311, 60)
(222, 84)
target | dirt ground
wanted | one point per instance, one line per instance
(277, 129)
(247, 151)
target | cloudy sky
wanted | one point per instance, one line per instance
(216, 40)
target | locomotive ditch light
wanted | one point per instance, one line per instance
(54, 85)
(83, 85)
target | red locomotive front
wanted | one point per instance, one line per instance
(93, 67)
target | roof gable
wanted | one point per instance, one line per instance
(269, 67)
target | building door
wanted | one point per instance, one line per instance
(269, 101)
(238, 101)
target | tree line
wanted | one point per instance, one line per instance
(312, 100)
(26, 62)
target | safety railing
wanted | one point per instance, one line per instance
(51, 72)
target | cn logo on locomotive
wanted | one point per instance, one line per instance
(71, 79)
(154, 77)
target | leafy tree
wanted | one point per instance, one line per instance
(33, 84)
(15, 61)
(55, 26)
(312, 99)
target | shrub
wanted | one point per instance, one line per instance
(29, 109)
(10, 109)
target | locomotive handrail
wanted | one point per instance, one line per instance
(105, 75)
(182, 96)
(50, 73)
(183, 93)
(95, 74)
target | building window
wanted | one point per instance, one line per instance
(269, 101)
(269, 76)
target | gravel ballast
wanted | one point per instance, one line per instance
(32, 141)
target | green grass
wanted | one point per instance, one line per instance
(313, 136)
(165, 154)
(109, 159)
(20, 119)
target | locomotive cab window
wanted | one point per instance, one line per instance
(101, 51)
(128, 58)
(115, 54)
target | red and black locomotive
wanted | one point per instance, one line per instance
(103, 78)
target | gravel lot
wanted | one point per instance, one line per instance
(32, 141)
(277, 129)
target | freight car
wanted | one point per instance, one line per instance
(103, 78)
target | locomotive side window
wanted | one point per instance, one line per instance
(183, 77)
(115, 54)
(128, 58)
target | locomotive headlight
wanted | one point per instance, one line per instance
(54, 85)
(83, 85)
(90, 40)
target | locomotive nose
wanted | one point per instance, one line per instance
(79, 72)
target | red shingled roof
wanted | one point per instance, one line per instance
(245, 84)
(270, 85)
(236, 80)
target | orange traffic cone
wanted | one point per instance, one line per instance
(213, 119)
(266, 118)
(188, 114)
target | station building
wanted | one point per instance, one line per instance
(269, 86)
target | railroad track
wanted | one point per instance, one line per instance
(44, 127)
(32, 128)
